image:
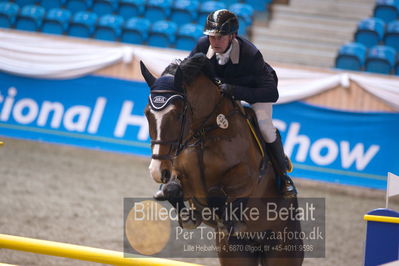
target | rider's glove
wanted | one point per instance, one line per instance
(227, 90)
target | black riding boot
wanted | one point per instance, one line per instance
(282, 165)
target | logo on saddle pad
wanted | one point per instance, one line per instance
(222, 121)
(160, 101)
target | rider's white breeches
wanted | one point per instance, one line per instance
(264, 114)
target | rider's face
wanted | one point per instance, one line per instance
(220, 43)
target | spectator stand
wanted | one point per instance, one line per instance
(8, 14)
(56, 21)
(380, 59)
(30, 18)
(135, 30)
(351, 56)
(109, 28)
(83, 24)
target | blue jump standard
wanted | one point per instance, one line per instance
(382, 237)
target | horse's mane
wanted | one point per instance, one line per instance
(192, 67)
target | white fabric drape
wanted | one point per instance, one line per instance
(157, 60)
(39, 57)
(385, 89)
(36, 56)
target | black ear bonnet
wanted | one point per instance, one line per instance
(163, 93)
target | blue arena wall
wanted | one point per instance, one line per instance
(107, 113)
(93, 111)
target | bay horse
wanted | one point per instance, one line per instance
(201, 141)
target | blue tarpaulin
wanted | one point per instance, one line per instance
(355, 148)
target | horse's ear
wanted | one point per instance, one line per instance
(178, 84)
(149, 78)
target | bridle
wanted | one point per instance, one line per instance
(197, 138)
(176, 146)
(174, 143)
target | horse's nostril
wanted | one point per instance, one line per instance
(165, 176)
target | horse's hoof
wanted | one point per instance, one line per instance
(159, 195)
(190, 224)
(239, 228)
(222, 228)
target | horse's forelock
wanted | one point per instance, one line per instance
(171, 69)
(191, 67)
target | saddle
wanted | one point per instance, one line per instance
(253, 125)
(255, 129)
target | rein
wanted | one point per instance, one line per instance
(200, 136)
(180, 144)
(201, 131)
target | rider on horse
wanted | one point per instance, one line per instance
(245, 76)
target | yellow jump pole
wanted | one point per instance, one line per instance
(81, 252)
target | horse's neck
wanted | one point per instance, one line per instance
(203, 98)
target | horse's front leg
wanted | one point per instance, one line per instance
(187, 217)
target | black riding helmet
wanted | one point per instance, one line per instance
(221, 22)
